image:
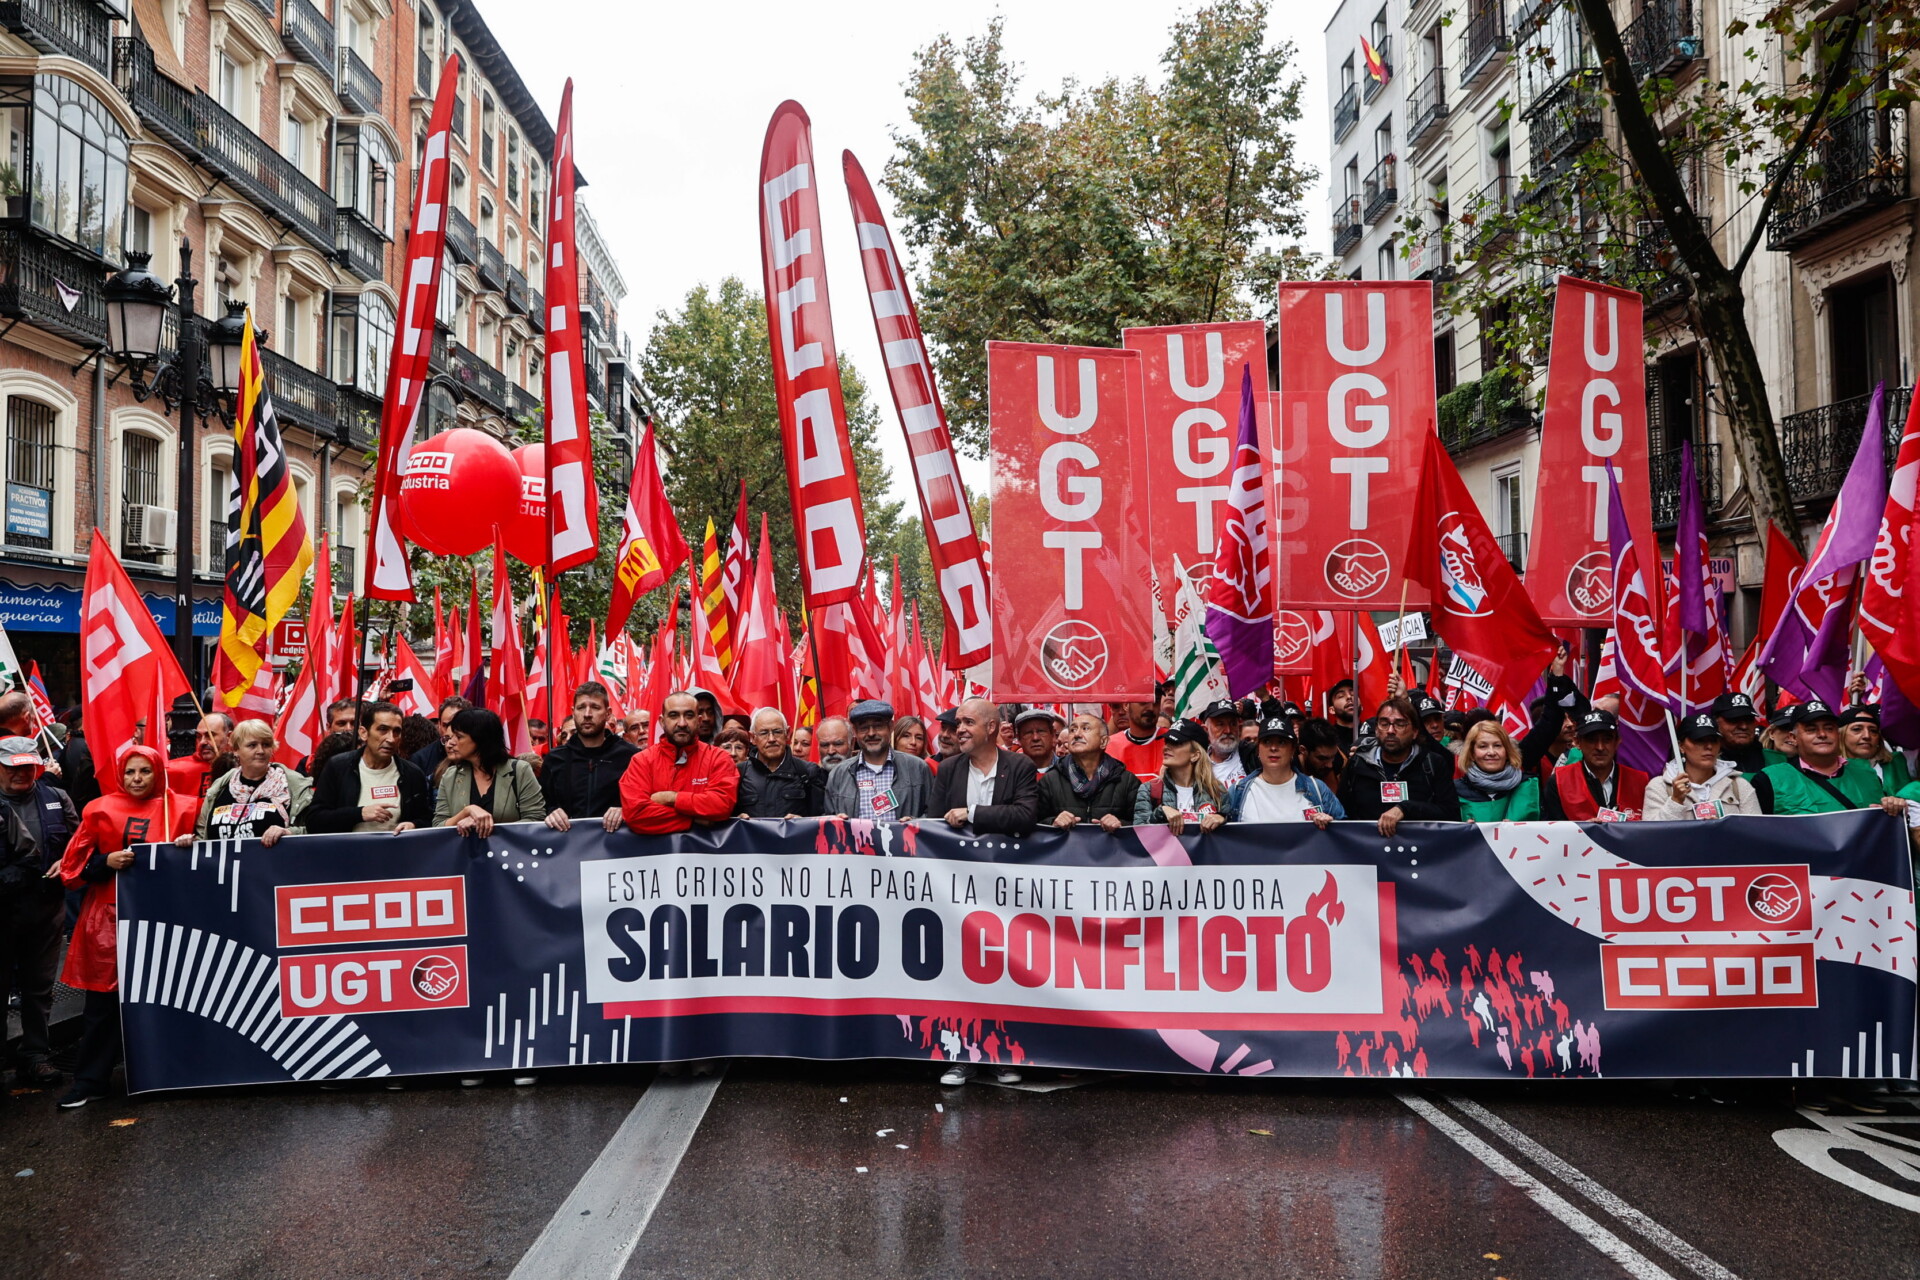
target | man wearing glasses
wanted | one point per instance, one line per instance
(774, 782)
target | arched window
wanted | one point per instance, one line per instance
(79, 169)
(376, 344)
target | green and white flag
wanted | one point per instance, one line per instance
(1197, 676)
(13, 675)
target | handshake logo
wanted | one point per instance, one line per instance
(1073, 654)
(1357, 568)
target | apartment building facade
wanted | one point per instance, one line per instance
(1508, 98)
(278, 140)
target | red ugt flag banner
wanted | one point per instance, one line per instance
(1595, 417)
(1069, 482)
(954, 545)
(828, 521)
(573, 497)
(1356, 408)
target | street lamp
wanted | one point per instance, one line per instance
(199, 388)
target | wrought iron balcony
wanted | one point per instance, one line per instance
(1858, 164)
(1487, 408)
(1562, 127)
(536, 310)
(1664, 472)
(1657, 270)
(596, 389)
(1818, 445)
(1427, 107)
(462, 240)
(1348, 226)
(38, 277)
(440, 354)
(78, 28)
(1513, 549)
(1431, 257)
(493, 266)
(361, 249)
(162, 105)
(1346, 113)
(1553, 58)
(1664, 38)
(301, 397)
(1487, 37)
(307, 33)
(359, 88)
(522, 403)
(357, 425)
(1369, 87)
(516, 289)
(1380, 191)
(1491, 212)
(343, 569)
(478, 378)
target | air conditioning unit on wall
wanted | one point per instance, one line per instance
(148, 529)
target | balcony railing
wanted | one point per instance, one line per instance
(301, 397)
(1818, 445)
(1487, 37)
(516, 289)
(1859, 163)
(1346, 113)
(361, 249)
(1664, 38)
(536, 310)
(1664, 472)
(1369, 87)
(1348, 226)
(478, 378)
(1513, 549)
(77, 28)
(462, 240)
(162, 105)
(1431, 257)
(1485, 409)
(357, 424)
(343, 569)
(1427, 107)
(1492, 212)
(522, 403)
(264, 6)
(307, 33)
(1381, 190)
(596, 390)
(1657, 271)
(1562, 127)
(493, 266)
(37, 278)
(359, 87)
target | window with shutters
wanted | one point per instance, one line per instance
(30, 469)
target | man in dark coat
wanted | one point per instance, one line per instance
(983, 788)
(774, 782)
(581, 777)
(1403, 775)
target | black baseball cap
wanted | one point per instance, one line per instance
(1733, 706)
(1215, 710)
(1187, 733)
(1597, 722)
(1700, 728)
(1427, 705)
(1782, 717)
(1276, 727)
(1860, 713)
(1813, 710)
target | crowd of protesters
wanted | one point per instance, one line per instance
(980, 767)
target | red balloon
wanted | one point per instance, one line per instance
(458, 487)
(525, 532)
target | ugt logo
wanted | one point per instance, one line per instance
(1590, 584)
(1464, 590)
(1357, 568)
(1073, 654)
(1292, 638)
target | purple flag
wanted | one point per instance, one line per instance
(1807, 652)
(1689, 536)
(1899, 718)
(1240, 596)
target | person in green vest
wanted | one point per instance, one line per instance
(1495, 788)
(1861, 738)
(1823, 779)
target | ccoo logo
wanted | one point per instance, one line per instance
(435, 977)
(1073, 654)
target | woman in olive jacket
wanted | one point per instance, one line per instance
(482, 783)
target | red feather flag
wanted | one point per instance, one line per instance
(756, 675)
(573, 496)
(128, 675)
(651, 545)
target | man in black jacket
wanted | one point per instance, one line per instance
(73, 763)
(774, 782)
(371, 789)
(581, 777)
(983, 787)
(36, 821)
(1402, 776)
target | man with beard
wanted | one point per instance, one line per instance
(679, 780)
(212, 738)
(1403, 776)
(1141, 747)
(582, 775)
(834, 738)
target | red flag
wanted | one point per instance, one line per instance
(1886, 617)
(1330, 649)
(926, 684)
(43, 708)
(1595, 419)
(346, 656)
(259, 701)
(573, 495)
(789, 703)
(507, 677)
(706, 670)
(1356, 378)
(757, 673)
(1784, 563)
(389, 576)
(829, 526)
(128, 675)
(1479, 607)
(443, 648)
(296, 732)
(475, 650)
(953, 543)
(735, 583)
(651, 546)
(1374, 664)
(418, 701)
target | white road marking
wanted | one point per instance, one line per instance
(1631, 1260)
(1682, 1252)
(593, 1233)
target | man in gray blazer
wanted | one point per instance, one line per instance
(879, 782)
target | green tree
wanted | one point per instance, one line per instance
(1618, 195)
(709, 378)
(1088, 210)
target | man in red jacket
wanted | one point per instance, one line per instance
(678, 780)
(1596, 787)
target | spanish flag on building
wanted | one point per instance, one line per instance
(1376, 65)
(268, 548)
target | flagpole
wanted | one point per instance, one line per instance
(1400, 639)
(1353, 624)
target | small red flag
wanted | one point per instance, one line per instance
(651, 546)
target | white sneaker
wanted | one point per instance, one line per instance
(958, 1073)
(1006, 1075)
(470, 1082)
(524, 1081)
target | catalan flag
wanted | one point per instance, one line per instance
(1376, 65)
(713, 599)
(268, 549)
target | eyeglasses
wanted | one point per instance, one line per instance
(770, 733)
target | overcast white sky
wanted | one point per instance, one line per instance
(671, 103)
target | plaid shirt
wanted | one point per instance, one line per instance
(872, 782)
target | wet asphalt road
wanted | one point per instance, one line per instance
(1137, 1176)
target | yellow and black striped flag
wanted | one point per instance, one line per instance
(268, 548)
(713, 599)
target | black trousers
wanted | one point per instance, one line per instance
(31, 917)
(99, 1041)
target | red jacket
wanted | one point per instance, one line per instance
(108, 825)
(1569, 782)
(705, 787)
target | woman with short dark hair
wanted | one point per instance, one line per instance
(482, 783)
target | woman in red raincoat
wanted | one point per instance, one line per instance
(141, 812)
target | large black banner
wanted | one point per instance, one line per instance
(1744, 947)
